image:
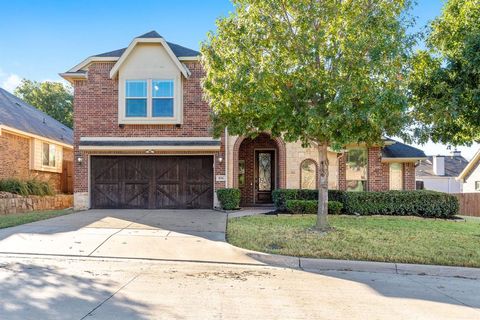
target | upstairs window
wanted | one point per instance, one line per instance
(162, 98)
(136, 98)
(48, 155)
(356, 170)
(149, 99)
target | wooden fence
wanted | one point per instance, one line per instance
(469, 203)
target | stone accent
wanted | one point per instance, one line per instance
(19, 204)
(81, 201)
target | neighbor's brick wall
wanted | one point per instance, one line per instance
(14, 156)
(95, 115)
(15, 161)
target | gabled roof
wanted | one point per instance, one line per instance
(454, 165)
(177, 51)
(472, 165)
(18, 115)
(399, 150)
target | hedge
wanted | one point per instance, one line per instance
(280, 196)
(28, 187)
(310, 207)
(422, 203)
(229, 198)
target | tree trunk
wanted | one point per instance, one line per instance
(322, 223)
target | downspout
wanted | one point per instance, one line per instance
(226, 158)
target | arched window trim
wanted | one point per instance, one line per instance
(316, 171)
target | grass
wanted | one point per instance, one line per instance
(372, 238)
(22, 218)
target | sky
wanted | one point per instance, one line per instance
(39, 39)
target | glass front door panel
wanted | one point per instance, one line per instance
(264, 171)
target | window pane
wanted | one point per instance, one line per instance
(136, 107)
(308, 175)
(356, 185)
(136, 88)
(162, 88)
(396, 176)
(357, 160)
(51, 158)
(45, 154)
(162, 107)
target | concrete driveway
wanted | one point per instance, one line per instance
(134, 264)
(192, 235)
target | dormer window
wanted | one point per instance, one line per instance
(162, 98)
(136, 98)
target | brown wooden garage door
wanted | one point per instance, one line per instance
(153, 182)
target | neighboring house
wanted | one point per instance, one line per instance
(143, 139)
(440, 173)
(34, 145)
(470, 176)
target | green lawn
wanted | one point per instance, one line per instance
(374, 238)
(22, 218)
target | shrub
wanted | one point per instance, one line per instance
(25, 188)
(281, 196)
(423, 203)
(229, 198)
(335, 207)
(311, 206)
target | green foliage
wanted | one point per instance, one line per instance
(229, 198)
(281, 196)
(25, 188)
(311, 207)
(423, 203)
(332, 72)
(53, 98)
(335, 207)
(445, 81)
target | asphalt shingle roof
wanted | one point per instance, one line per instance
(178, 50)
(401, 150)
(454, 165)
(17, 114)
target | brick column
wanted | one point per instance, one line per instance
(375, 169)
(409, 176)
(342, 172)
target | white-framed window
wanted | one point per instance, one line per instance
(477, 185)
(148, 99)
(356, 169)
(396, 176)
(48, 155)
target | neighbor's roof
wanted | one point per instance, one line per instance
(454, 165)
(401, 150)
(17, 114)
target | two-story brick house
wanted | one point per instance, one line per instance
(143, 139)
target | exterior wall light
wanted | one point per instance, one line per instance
(79, 160)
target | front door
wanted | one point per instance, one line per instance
(264, 175)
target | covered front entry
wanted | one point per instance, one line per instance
(259, 168)
(152, 182)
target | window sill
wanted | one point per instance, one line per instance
(150, 121)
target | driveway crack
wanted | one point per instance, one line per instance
(108, 298)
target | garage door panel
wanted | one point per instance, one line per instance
(152, 182)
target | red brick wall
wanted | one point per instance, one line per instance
(95, 115)
(409, 176)
(342, 173)
(375, 170)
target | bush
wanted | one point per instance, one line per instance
(281, 196)
(311, 207)
(335, 207)
(25, 188)
(229, 198)
(422, 203)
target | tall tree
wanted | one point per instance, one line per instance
(446, 77)
(53, 98)
(327, 73)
